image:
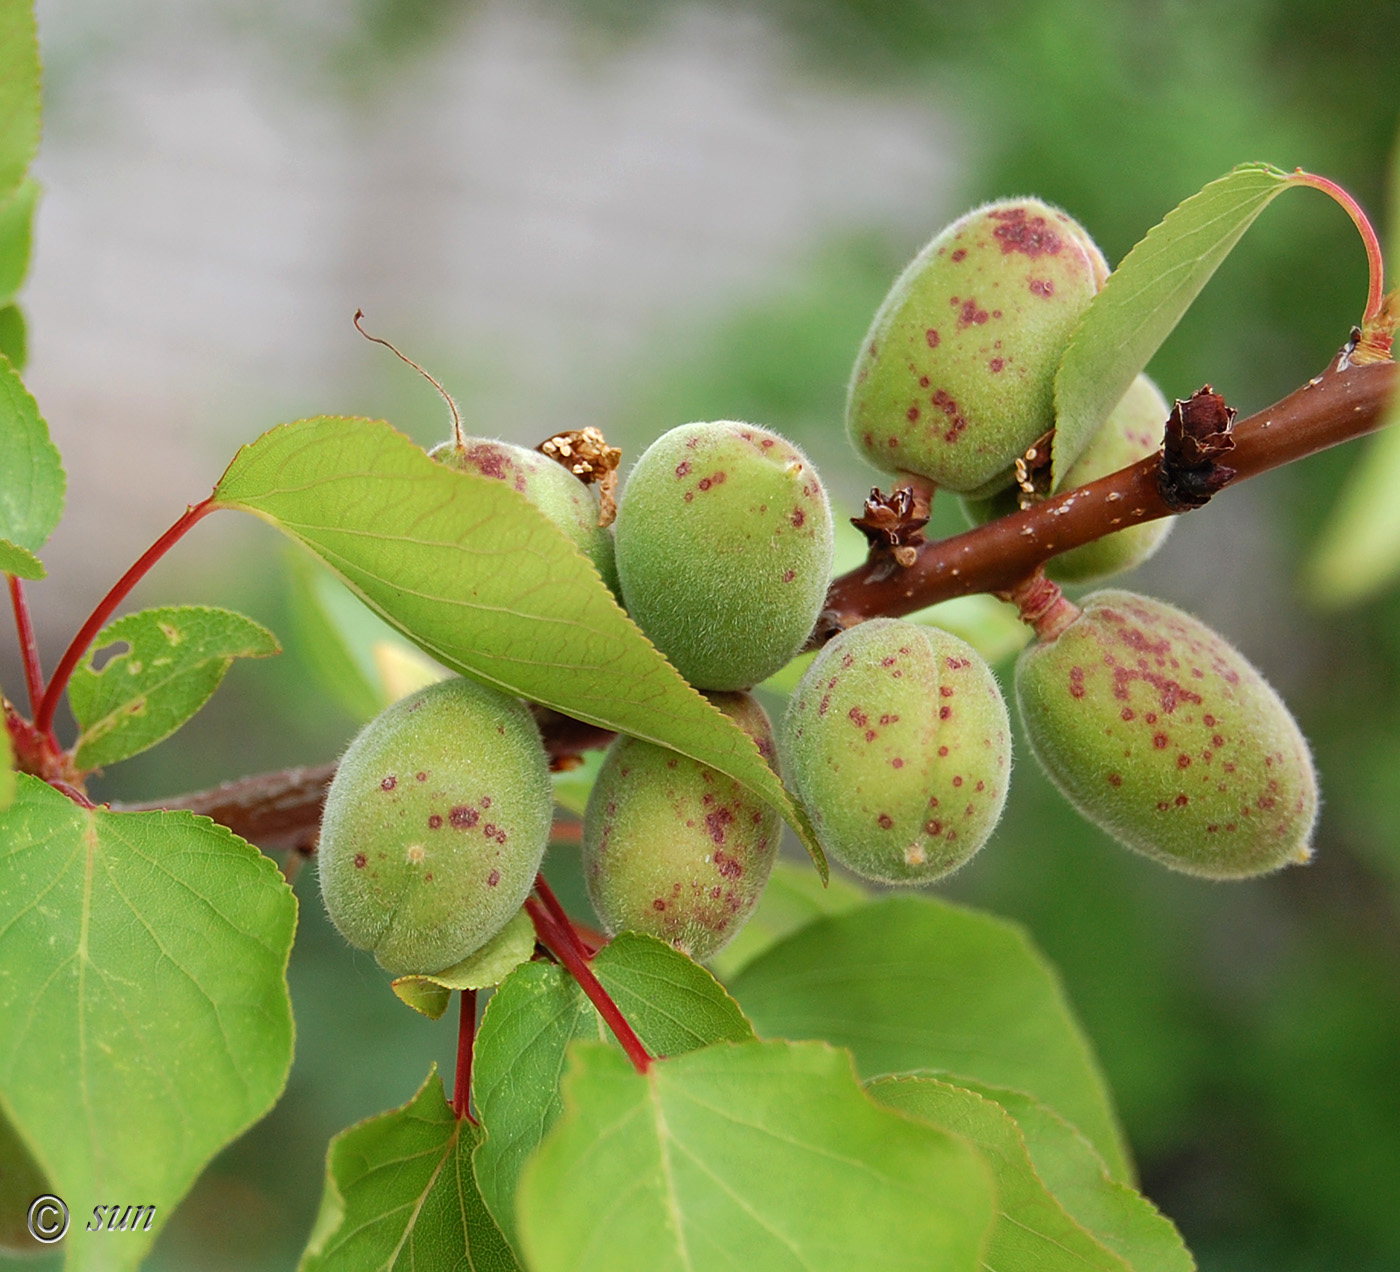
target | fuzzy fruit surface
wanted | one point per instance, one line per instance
(435, 825)
(675, 849)
(898, 744)
(1132, 432)
(956, 376)
(724, 545)
(555, 491)
(1160, 732)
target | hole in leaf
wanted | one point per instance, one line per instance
(104, 657)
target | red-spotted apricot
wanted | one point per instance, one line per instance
(955, 379)
(1132, 432)
(724, 545)
(556, 492)
(435, 825)
(897, 743)
(675, 849)
(1160, 732)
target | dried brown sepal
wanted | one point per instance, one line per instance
(1033, 471)
(585, 453)
(1198, 432)
(896, 520)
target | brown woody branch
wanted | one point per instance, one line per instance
(283, 810)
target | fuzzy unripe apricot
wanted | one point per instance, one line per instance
(556, 492)
(435, 825)
(724, 546)
(897, 743)
(1132, 431)
(955, 378)
(1159, 731)
(674, 848)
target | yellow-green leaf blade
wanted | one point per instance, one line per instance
(1145, 297)
(485, 583)
(31, 473)
(175, 659)
(19, 92)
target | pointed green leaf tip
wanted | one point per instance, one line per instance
(400, 1195)
(485, 583)
(144, 1015)
(1145, 297)
(755, 1155)
(175, 658)
(31, 479)
(502, 954)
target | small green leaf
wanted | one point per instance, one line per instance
(20, 562)
(673, 1003)
(16, 236)
(1145, 297)
(1033, 1232)
(19, 93)
(14, 337)
(31, 473)
(490, 965)
(1358, 552)
(175, 659)
(485, 583)
(1121, 1218)
(400, 1194)
(759, 1155)
(144, 1015)
(910, 983)
(792, 898)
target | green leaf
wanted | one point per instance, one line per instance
(144, 1014)
(573, 786)
(175, 659)
(19, 92)
(16, 237)
(31, 473)
(910, 983)
(1121, 1218)
(672, 1003)
(14, 339)
(400, 1194)
(1032, 1232)
(1145, 297)
(7, 768)
(502, 954)
(354, 654)
(760, 1155)
(792, 898)
(20, 562)
(1358, 552)
(485, 583)
(21, 1180)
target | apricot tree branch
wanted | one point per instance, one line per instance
(283, 810)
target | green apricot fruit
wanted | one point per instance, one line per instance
(556, 492)
(898, 744)
(1132, 432)
(1160, 732)
(674, 848)
(724, 546)
(955, 378)
(435, 825)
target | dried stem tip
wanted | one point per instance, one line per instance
(585, 453)
(1198, 433)
(894, 522)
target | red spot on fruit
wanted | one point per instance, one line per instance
(1182, 801)
(957, 780)
(931, 336)
(486, 801)
(1076, 682)
(1217, 740)
(1183, 760)
(359, 861)
(858, 717)
(889, 718)
(1029, 235)
(959, 254)
(897, 762)
(715, 823)
(1208, 721)
(798, 517)
(789, 575)
(493, 878)
(912, 414)
(969, 315)
(463, 818)
(1115, 779)
(944, 712)
(1042, 287)
(884, 821)
(1160, 740)
(422, 777)
(1127, 713)
(923, 381)
(728, 866)
(389, 783)
(942, 752)
(683, 468)
(996, 364)
(434, 821)
(658, 904)
(704, 483)
(934, 827)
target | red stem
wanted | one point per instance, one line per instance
(1374, 261)
(43, 720)
(560, 915)
(33, 674)
(568, 953)
(466, 1036)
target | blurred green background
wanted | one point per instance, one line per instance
(636, 214)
